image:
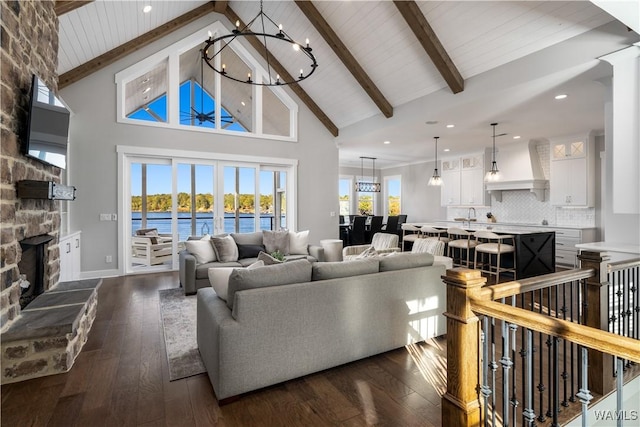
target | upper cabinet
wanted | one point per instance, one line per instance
(463, 181)
(573, 171)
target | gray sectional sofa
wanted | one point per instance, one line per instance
(193, 270)
(288, 320)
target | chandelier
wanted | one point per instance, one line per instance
(435, 180)
(494, 173)
(277, 35)
(365, 186)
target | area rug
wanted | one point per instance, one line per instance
(178, 314)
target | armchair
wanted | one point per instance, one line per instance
(148, 247)
(381, 243)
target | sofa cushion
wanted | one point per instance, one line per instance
(276, 241)
(299, 243)
(402, 260)
(335, 270)
(219, 278)
(298, 271)
(268, 259)
(226, 248)
(202, 269)
(254, 238)
(249, 251)
(201, 249)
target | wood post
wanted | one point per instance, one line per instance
(596, 314)
(460, 404)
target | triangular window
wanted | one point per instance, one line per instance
(201, 99)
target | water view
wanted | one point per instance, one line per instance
(204, 223)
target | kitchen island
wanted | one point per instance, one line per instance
(535, 247)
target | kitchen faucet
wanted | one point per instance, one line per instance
(469, 215)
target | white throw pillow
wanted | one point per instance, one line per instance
(299, 242)
(201, 249)
(219, 278)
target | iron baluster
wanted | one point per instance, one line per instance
(494, 368)
(485, 390)
(572, 398)
(584, 395)
(528, 415)
(541, 387)
(556, 385)
(506, 363)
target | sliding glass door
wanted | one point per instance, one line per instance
(168, 201)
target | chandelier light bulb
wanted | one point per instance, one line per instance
(296, 47)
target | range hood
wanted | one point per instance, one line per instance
(520, 169)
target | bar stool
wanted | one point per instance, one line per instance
(410, 233)
(492, 248)
(462, 241)
(428, 231)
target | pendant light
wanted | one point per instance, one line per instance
(436, 180)
(494, 173)
(363, 186)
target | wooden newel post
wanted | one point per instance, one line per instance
(460, 404)
(596, 315)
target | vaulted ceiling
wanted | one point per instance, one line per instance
(388, 67)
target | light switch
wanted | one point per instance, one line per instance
(105, 217)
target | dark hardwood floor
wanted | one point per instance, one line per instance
(121, 379)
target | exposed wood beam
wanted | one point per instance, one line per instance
(63, 6)
(131, 46)
(220, 6)
(275, 64)
(411, 13)
(327, 33)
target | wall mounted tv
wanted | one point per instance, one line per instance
(47, 132)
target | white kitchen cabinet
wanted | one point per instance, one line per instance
(463, 181)
(566, 241)
(70, 257)
(573, 172)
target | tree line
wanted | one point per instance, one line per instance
(203, 203)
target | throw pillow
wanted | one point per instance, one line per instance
(201, 249)
(299, 243)
(249, 251)
(276, 241)
(268, 259)
(226, 248)
(219, 278)
(287, 273)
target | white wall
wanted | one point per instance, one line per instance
(94, 135)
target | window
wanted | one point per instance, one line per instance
(345, 191)
(173, 88)
(393, 187)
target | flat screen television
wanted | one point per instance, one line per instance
(47, 131)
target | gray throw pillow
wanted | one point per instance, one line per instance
(226, 248)
(268, 259)
(404, 260)
(287, 273)
(276, 241)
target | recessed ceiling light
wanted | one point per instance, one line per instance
(451, 126)
(516, 137)
(447, 150)
(561, 96)
(147, 90)
(147, 8)
(432, 122)
(387, 142)
(243, 104)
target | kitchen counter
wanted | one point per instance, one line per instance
(535, 252)
(482, 224)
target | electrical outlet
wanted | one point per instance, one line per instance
(105, 217)
(108, 259)
(114, 217)
(332, 213)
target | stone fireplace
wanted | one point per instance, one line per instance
(31, 266)
(29, 35)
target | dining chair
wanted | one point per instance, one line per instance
(490, 247)
(357, 231)
(392, 225)
(375, 227)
